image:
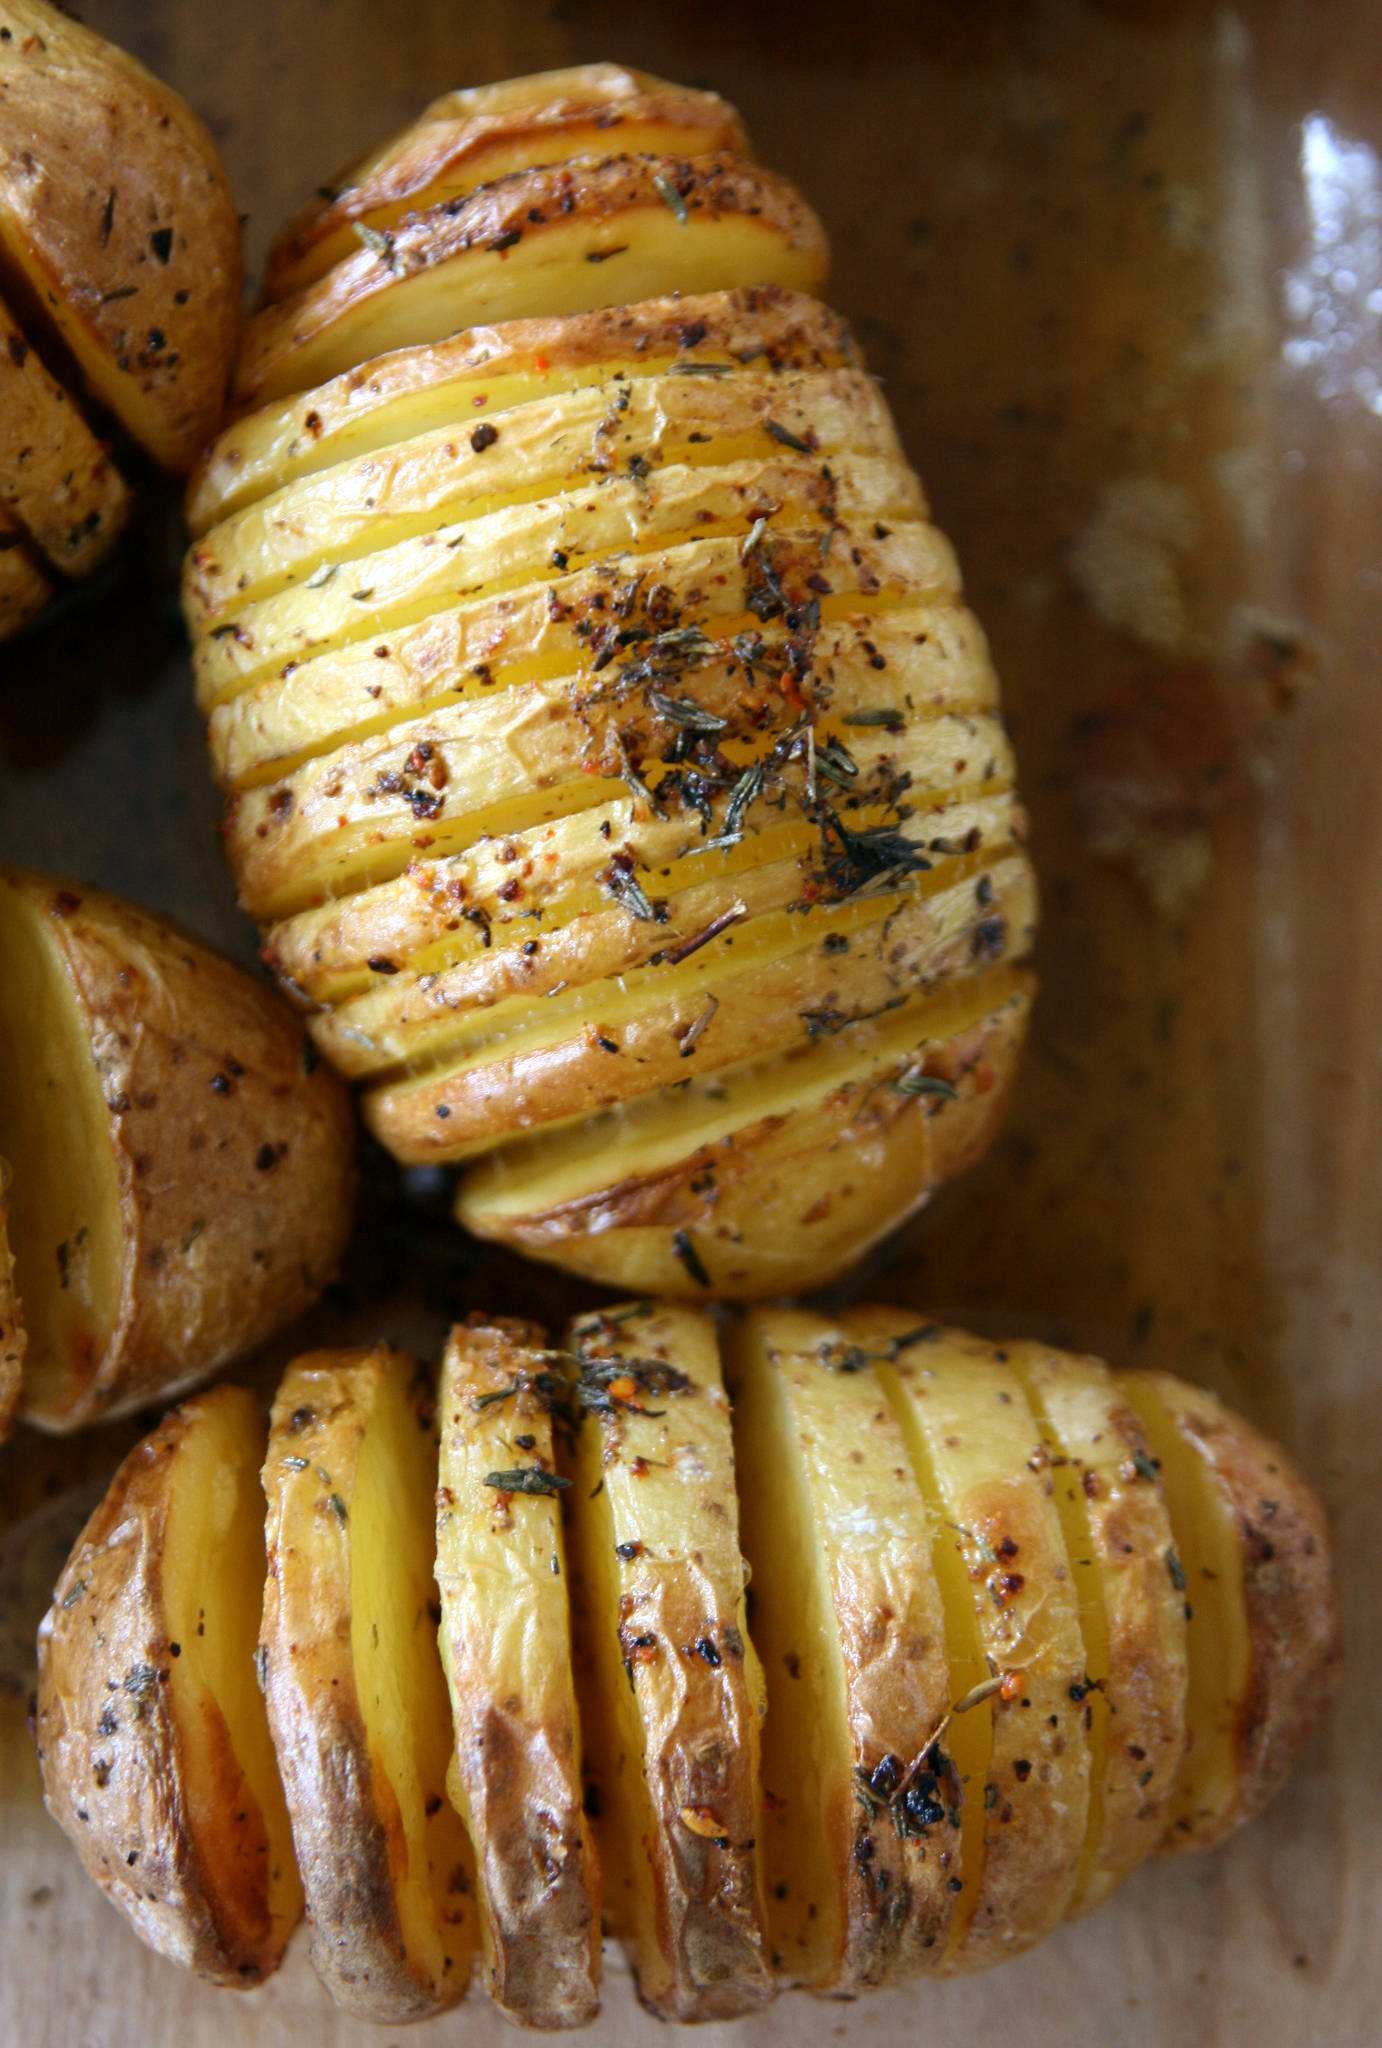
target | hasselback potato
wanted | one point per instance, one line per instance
(610, 759)
(975, 1630)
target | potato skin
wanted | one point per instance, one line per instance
(11, 1319)
(116, 190)
(110, 1742)
(234, 1160)
(54, 472)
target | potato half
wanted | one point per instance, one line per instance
(182, 1170)
(356, 1697)
(152, 1736)
(12, 1336)
(608, 749)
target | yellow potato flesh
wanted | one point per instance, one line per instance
(67, 1232)
(1218, 1645)
(213, 1567)
(399, 1681)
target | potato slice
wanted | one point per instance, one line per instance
(185, 1182)
(671, 1690)
(356, 1697)
(117, 223)
(24, 587)
(12, 1337)
(1012, 1614)
(1117, 1534)
(470, 138)
(571, 439)
(1252, 1562)
(485, 370)
(771, 1179)
(55, 476)
(860, 1838)
(152, 1736)
(556, 239)
(506, 1646)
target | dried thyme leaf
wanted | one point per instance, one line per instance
(527, 1479)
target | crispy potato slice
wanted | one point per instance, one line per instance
(117, 222)
(152, 1736)
(671, 1690)
(464, 470)
(24, 587)
(552, 240)
(55, 476)
(1010, 1607)
(486, 370)
(1117, 1533)
(772, 1179)
(1252, 1560)
(472, 137)
(186, 1181)
(859, 1847)
(356, 1697)
(506, 1646)
(12, 1337)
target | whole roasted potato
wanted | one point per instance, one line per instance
(119, 294)
(181, 1168)
(803, 1651)
(608, 752)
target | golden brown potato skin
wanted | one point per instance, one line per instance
(116, 190)
(111, 1744)
(11, 1319)
(233, 1152)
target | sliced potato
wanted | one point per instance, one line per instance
(555, 239)
(1252, 1563)
(118, 225)
(184, 1178)
(55, 476)
(860, 1838)
(356, 1697)
(671, 1690)
(12, 1336)
(24, 587)
(506, 1646)
(486, 370)
(1118, 1534)
(470, 138)
(1022, 1755)
(152, 1736)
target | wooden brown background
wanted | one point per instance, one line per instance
(1121, 268)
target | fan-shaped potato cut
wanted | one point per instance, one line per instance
(1252, 1562)
(118, 223)
(1000, 1554)
(12, 1338)
(672, 1692)
(356, 1698)
(617, 514)
(792, 980)
(55, 477)
(644, 604)
(559, 239)
(483, 371)
(1117, 1535)
(184, 1182)
(460, 470)
(771, 1179)
(24, 587)
(860, 1843)
(152, 1735)
(473, 137)
(506, 1645)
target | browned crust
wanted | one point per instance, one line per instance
(466, 137)
(233, 1157)
(773, 327)
(103, 170)
(110, 1743)
(11, 1318)
(596, 195)
(1289, 1591)
(517, 1751)
(55, 476)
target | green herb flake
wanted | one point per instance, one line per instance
(527, 1479)
(670, 197)
(915, 1083)
(1177, 1571)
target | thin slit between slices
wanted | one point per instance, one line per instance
(397, 617)
(970, 1735)
(1093, 1619)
